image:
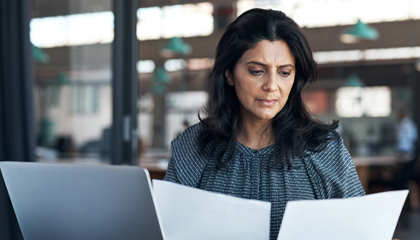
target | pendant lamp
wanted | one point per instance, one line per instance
(176, 46)
(354, 81)
(357, 32)
(160, 77)
(38, 55)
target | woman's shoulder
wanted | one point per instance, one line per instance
(189, 137)
(331, 152)
(333, 169)
(187, 158)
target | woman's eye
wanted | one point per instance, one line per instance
(285, 74)
(256, 72)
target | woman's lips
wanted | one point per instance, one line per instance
(267, 102)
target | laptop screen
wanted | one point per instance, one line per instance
(69, 201)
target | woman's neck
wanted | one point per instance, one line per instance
(256, 135)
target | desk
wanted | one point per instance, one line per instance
(363, 164)
(156, 166)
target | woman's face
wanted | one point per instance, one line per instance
(263, 78)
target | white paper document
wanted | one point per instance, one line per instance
(371, 217)
(189, 214)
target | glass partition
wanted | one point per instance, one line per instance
(73, 100)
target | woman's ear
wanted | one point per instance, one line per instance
(229, 77)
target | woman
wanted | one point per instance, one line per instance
(257, 140)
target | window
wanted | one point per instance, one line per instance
(85, 99)
(368, 101)
(175, 21)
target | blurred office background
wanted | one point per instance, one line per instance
(113, 82)
(363, 80)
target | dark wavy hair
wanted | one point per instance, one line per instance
(294, 129)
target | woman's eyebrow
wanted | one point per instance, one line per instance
(257, 63)
(265, 65)
(287, 65)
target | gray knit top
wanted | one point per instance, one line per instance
(326, 174)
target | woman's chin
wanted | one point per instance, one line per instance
(266, 117)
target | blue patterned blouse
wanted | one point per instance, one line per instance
(326, 174)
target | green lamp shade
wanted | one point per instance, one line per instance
(62, 79)
(46, 132)
(159, 88)
(176, 46)
(358, 31)
(38, 55)
(354, 81)
(161, 75)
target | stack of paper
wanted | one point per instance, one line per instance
(374, 217)
(189, 214)
(193, 214)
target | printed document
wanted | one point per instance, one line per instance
(373, 216)
(188, 213)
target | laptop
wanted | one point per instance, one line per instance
(70, 201)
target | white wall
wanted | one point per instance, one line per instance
(82, 127)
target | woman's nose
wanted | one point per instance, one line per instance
(270, 83)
